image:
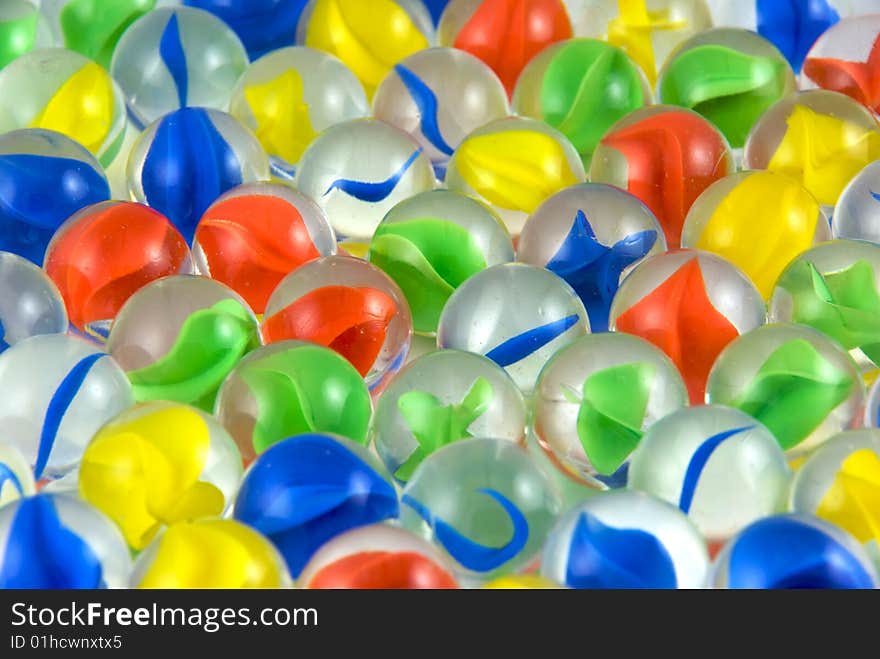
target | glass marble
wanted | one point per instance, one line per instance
(262, 25)
(728, 75)
(648, 30)
(30, 303)
(292, 94)
(818, 137)
(256, 234)
(22, 29)
(358, 170)
(56, 542)
(596, 397)
(290, 388)
(515, 314)
(759, 221)
(45, 178)
(157, 464)
(591, 235)
(441, 398)
(795, 380)
(690, 304)
(64, 91)
(513, 165)
(840, 483)
(431, 243)
(625, 539)
(846, 59)
(210, 553)
(105, 253)
(56, 391)
(177, 57)
(369, 36)
(485, 503)
(833, 287)
(581, 87)
(310, 488)
(348, 305)
(93, 27)
(183, 162)
(378, 557)
(16, 475)
(857, 213)
(505, 34)
(719, 465)
(178, 338)
(793, 552)
(439, 96)
(666, 156)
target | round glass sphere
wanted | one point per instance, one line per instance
(597, 396)
(820, 138)
(485, 503)
(513, 165)
(431, 243)
(290, 388)
(625, 539)
(857, 213)
(440, 398)
(515, 314)
(591, 235)
(795, 380)
(176, 57)
(178, 338)
(690, 304)
(105, 253)
(348, 305)
(181, 163)
(719, 465)
(64, 91)
(378, 556)
(581, 87)
(357, 171)
(56, 391)
(759, 221)
(290, 95)
(30, 303)
(256, 234)
(56, 542)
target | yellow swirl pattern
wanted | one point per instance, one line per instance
(282, 114)
(853, 500)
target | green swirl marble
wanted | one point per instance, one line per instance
(793, 392)
(729, 88)
(845, 305)
(18, 36)
(93, 27)
(428, 258)
(434, 425)
(612, 411)
(588, 85)
(306, 389)
(210, 343)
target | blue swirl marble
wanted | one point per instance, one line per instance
(373, 192)
(57, 408)
(601, 556)
(468, 553)
(174, 58)
(307, 489)
(794, 25)
(37, 194)
(262, 25)
(6, 474)
(593, 269)
(189, 164)
(698, 462)
(42, 553)
(783, 552)
(522, 345)
(426, 102)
